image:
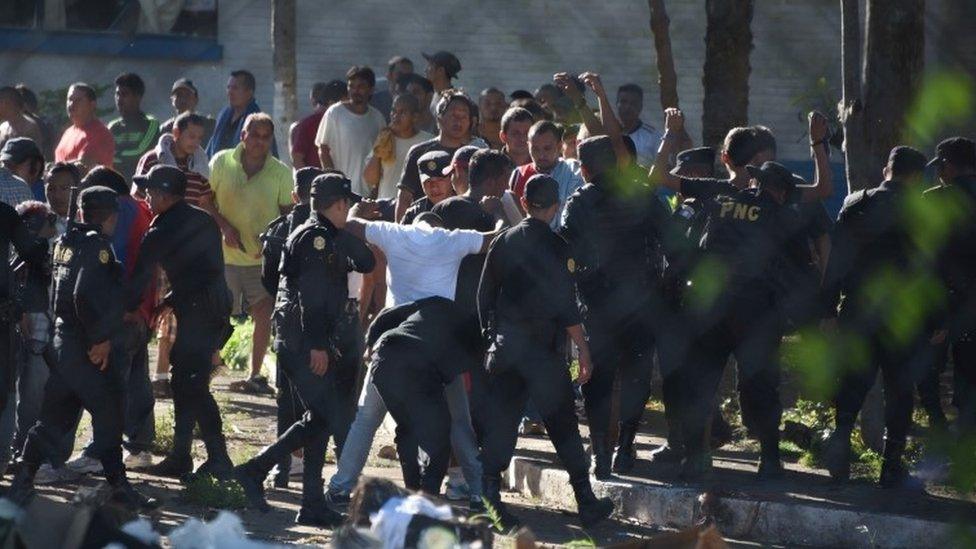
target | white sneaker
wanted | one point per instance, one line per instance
(49, 475)
(297, 467)
(84, 465)
(137, 460)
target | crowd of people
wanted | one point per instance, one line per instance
(467, 265)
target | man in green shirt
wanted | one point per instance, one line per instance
(251, 188)
(135, 132)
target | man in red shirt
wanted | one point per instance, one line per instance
(304, 151)
(87, 139)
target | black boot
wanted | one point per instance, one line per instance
(124, 493)
(837, 454)
(21, 488)
(695, 466)
(315, 510)
(251, 478)
(626, 456)
(506, 521)
(670, 452)
(894, 473)
(172, 466)
(283, 475)
(592, 510)
(601, 456)
(218, 463)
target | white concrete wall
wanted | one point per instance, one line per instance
(506, 43)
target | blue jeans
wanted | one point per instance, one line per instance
(369, 417)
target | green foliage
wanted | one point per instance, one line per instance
(51, 104)
(821, 96)
(236, 353)
(944, 103)
(491, 515)
(209, 492)
(588, 542)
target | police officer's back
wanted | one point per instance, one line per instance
(274, 237)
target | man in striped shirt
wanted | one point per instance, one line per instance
(134, 131)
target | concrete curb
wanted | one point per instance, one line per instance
(737, 515)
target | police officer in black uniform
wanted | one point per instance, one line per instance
(613, 225)
(34, 251)
(743, 242)
(955, 163)
(527, 306)
(88, 302)
(431, 166)
(419, 348)
(185, 241)
(873, 245)
(273, 242)
(313, 290)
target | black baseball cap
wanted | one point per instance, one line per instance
(329, 185)
(773, 174)
(304, 178)
(445, 59)
(432, 164)
(699, 157)
(185, 83)
(906, 160)
(462, 157)
(98, 198)
(164, 178)
(541, 191)
(20, 149)
(956, 150)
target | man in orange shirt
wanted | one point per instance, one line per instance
(87, 139)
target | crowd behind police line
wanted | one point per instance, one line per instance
(441, 259)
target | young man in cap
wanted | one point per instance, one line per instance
(315, 263)
(184, 98)
(20, 165)
(304, 151)
(348, 129)
(185, 241)
(88, 304)
(87, 139)
(436, 186)
(135, 132)
(455, 117)
(442, 68)
(874, 242)
(955, 164)
(527, 306)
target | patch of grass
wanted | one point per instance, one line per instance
(163, 443)
(236, 353)
(209, 492)
(790, 450)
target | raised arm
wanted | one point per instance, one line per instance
(565, 82)
(823, 185)
(610, 123)
(674, 134)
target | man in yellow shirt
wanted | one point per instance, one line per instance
(251, 188)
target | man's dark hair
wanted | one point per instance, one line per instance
(85, 88)
(765, 140)
(10, 93)
(631, 88)
(132, 82)
(29, 97)
(246, 78)
(185, 119)
(906, 162)
(106, 177)
(521, 94)
(597, 156)
(492, 90)
(324, 93)
(396, 60)
(357, 72)
(410, 101)
(451, 96)
(487, 165)
(534, 108)
(546, 126)
(407, 79)
(551, 88)
(740, 144)
(515, 114)
(64, 167)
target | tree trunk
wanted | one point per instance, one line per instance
(667, 78)
(852, 109)
(893, 67)
(728, 43)
(285, 75)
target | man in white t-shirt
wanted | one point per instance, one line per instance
(646, 138)
(348, 129)
(422, 261)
